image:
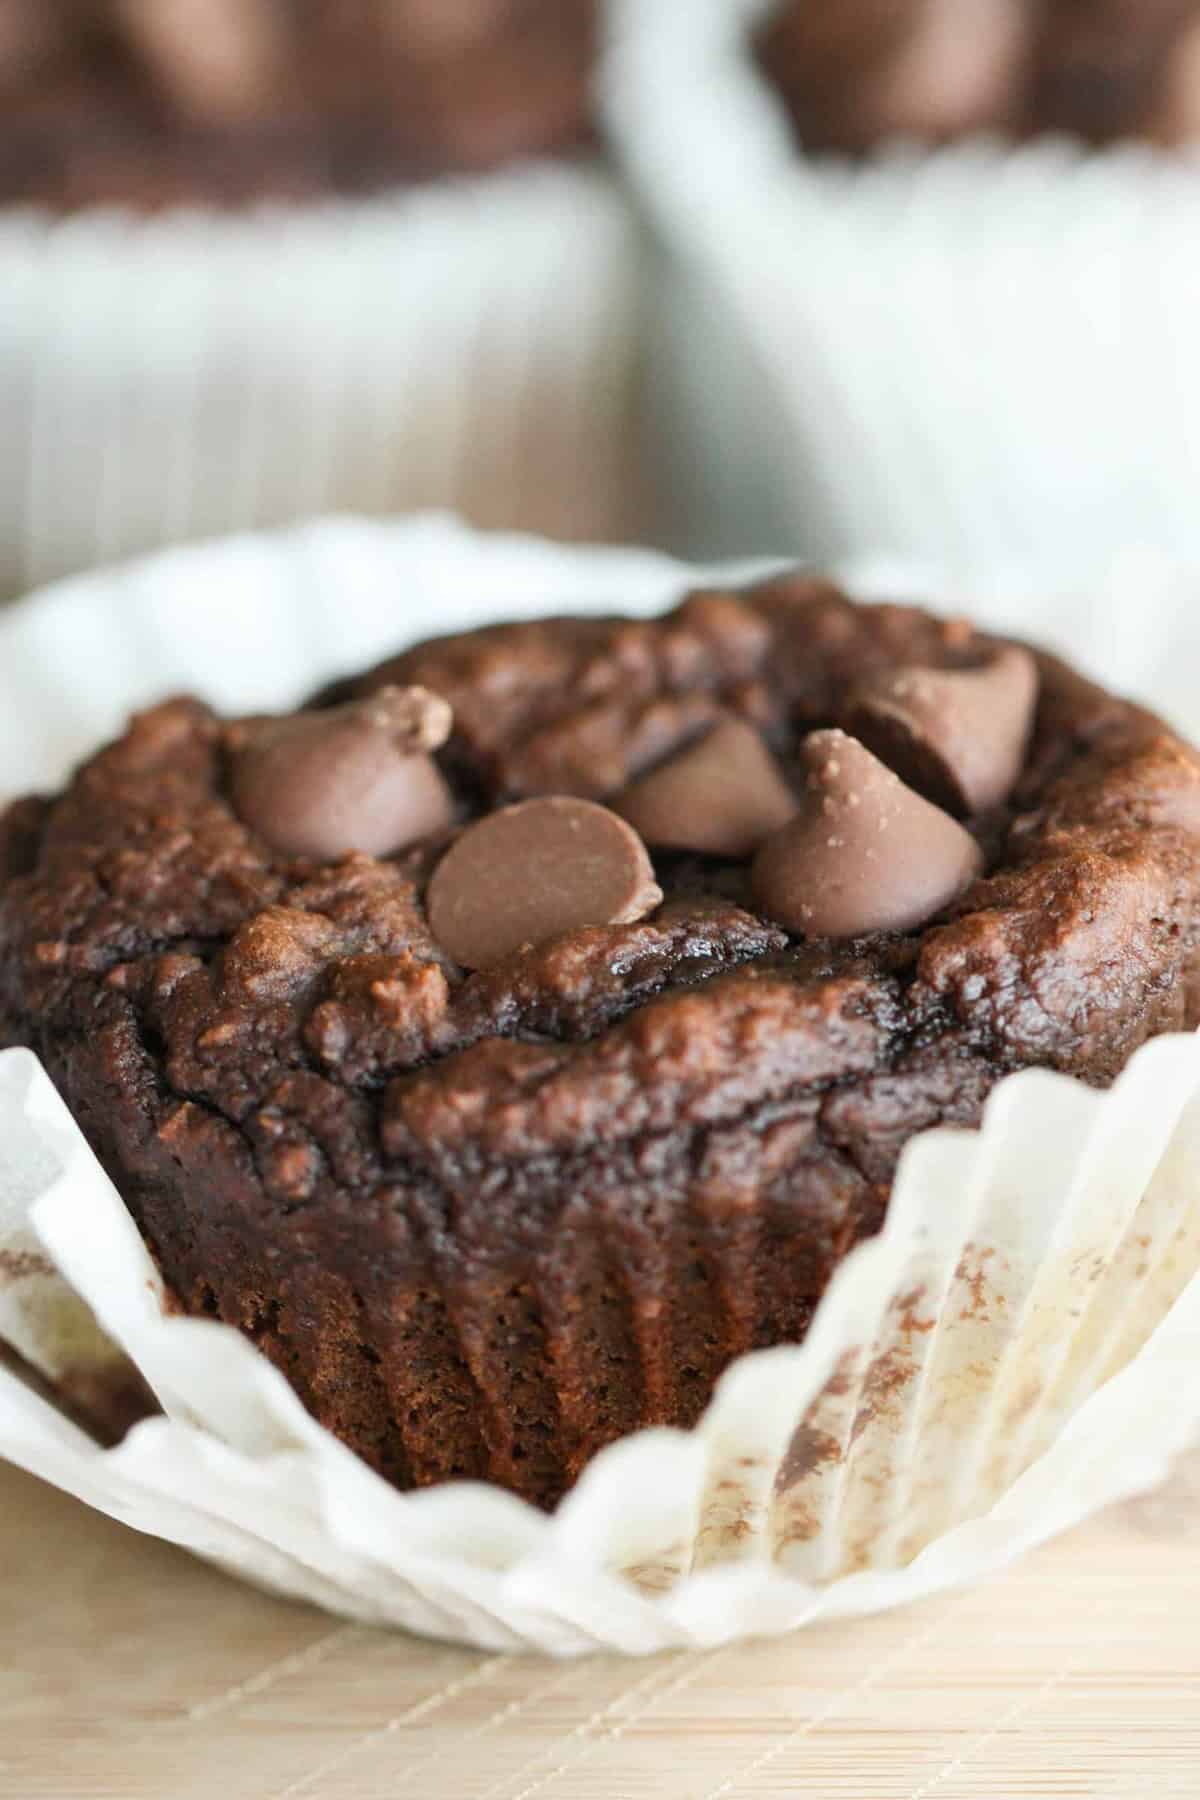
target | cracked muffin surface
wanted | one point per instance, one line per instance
(487, 1219)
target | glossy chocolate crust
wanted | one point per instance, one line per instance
(486, 1223)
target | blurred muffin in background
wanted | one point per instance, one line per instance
(931, 266)
(265, 259)
(149, 103)
(861, 71)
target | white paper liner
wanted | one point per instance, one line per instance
(467, 343)
(976, 355)
(1017, 1349)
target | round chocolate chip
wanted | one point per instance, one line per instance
(956, 735)
(864, 854)
(354, 777)
(721, 795)
(533, 871)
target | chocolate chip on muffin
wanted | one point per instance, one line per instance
(956, 735)
(722, 795)
(356, 777)
(495, 1154)
(866, 853)
(536, 871)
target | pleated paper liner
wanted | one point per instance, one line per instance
(469, 343)
(1016, 1350)
(976, 354)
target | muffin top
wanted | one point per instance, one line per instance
(581, 882)
(158, 103)
(865, 70)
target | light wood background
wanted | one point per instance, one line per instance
(129, 1670)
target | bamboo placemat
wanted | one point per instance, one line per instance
(127, 1669)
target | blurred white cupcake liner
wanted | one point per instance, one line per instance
(1015, 1350)
(978, 354)
(467, 343)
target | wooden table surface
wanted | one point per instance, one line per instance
(128, 1669)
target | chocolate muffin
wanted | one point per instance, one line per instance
(517, 1034)
(865, 70)
(155, 103)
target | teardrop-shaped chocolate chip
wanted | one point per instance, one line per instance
(353, 777)
(533, 871)
(721, 796)
(864, 854)
(958, 736)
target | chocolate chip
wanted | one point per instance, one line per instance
(721, 795)
(956, 735)
(865, 854)
(354, 777)
(533, 871)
